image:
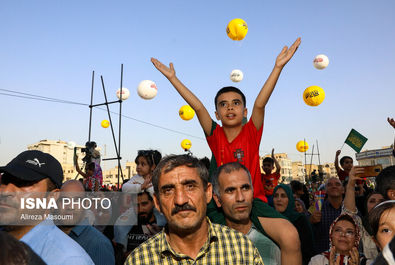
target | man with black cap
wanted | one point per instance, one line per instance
(30, 173)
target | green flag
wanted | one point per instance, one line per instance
(356, 140)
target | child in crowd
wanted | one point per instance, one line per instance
(233, 141)
(93, 176)
(346, 163)
(269, 178)
(146, 162)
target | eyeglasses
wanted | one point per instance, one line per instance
(340, 232)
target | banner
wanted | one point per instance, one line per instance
(356, 140)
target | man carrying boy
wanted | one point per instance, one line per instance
(346, 163)
(233, 141)
(270, 179)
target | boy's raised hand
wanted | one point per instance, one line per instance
(391, 122)
(287, 53)
(169, 72)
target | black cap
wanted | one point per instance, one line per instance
(35, 165)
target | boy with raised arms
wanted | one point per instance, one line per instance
(235, 142)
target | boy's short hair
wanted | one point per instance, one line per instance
(268, 160)
(343, 159)
(386, 181)
(229, 89)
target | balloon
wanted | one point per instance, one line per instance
(313, 95)
(321, 61)
(237, 29)
(71, 145)
(186, 112)
(186, 144)
(105, 123)
(125, 93)
(302, 146)
(236, 75)
(147, 89)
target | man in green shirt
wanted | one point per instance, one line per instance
(233, 192)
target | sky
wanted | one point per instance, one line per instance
(50, 48)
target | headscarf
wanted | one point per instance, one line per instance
(289, 212)
(303, 206)
(356, 239)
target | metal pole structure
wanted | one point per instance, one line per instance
(318, 150)
(305, 161)
(109, 117)
(90, 106)
(120, 119)
(311, 160)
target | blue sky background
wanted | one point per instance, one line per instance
(50, 48)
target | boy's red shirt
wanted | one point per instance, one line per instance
(270, 182)
(243, 149)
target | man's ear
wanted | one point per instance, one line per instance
(54, 194)
(157, 203)
(209, 192)
(217, 200)
(391, 194)
(245, 112)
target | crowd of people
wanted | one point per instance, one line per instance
(227, 210)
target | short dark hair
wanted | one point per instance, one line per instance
(229, 89)
(152, 156)
(268, 160)
(375, 215)
(146, 193)
(227, 168)
(296, 185)
(15, 252)
(386, 181)
(170, 162)
(343, 159)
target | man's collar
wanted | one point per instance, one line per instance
(165, 248)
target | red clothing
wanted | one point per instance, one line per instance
(270, 182)
(243, 149)
(342, 175)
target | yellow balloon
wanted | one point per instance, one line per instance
(186, 112)
(186, 144)
(105, 123)
(302, 146)
(237, 29)
(313, 95)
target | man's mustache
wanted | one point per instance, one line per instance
(182, 208)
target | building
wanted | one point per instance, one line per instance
(383, 157)
(298, 171)
(285, 163)
(111, 176)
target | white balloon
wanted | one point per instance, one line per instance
(147, 89)
(236, 75)
(125, 93)
(71, 145)
(321, 61)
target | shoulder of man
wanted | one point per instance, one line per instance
(230, 235)
(147, 251)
